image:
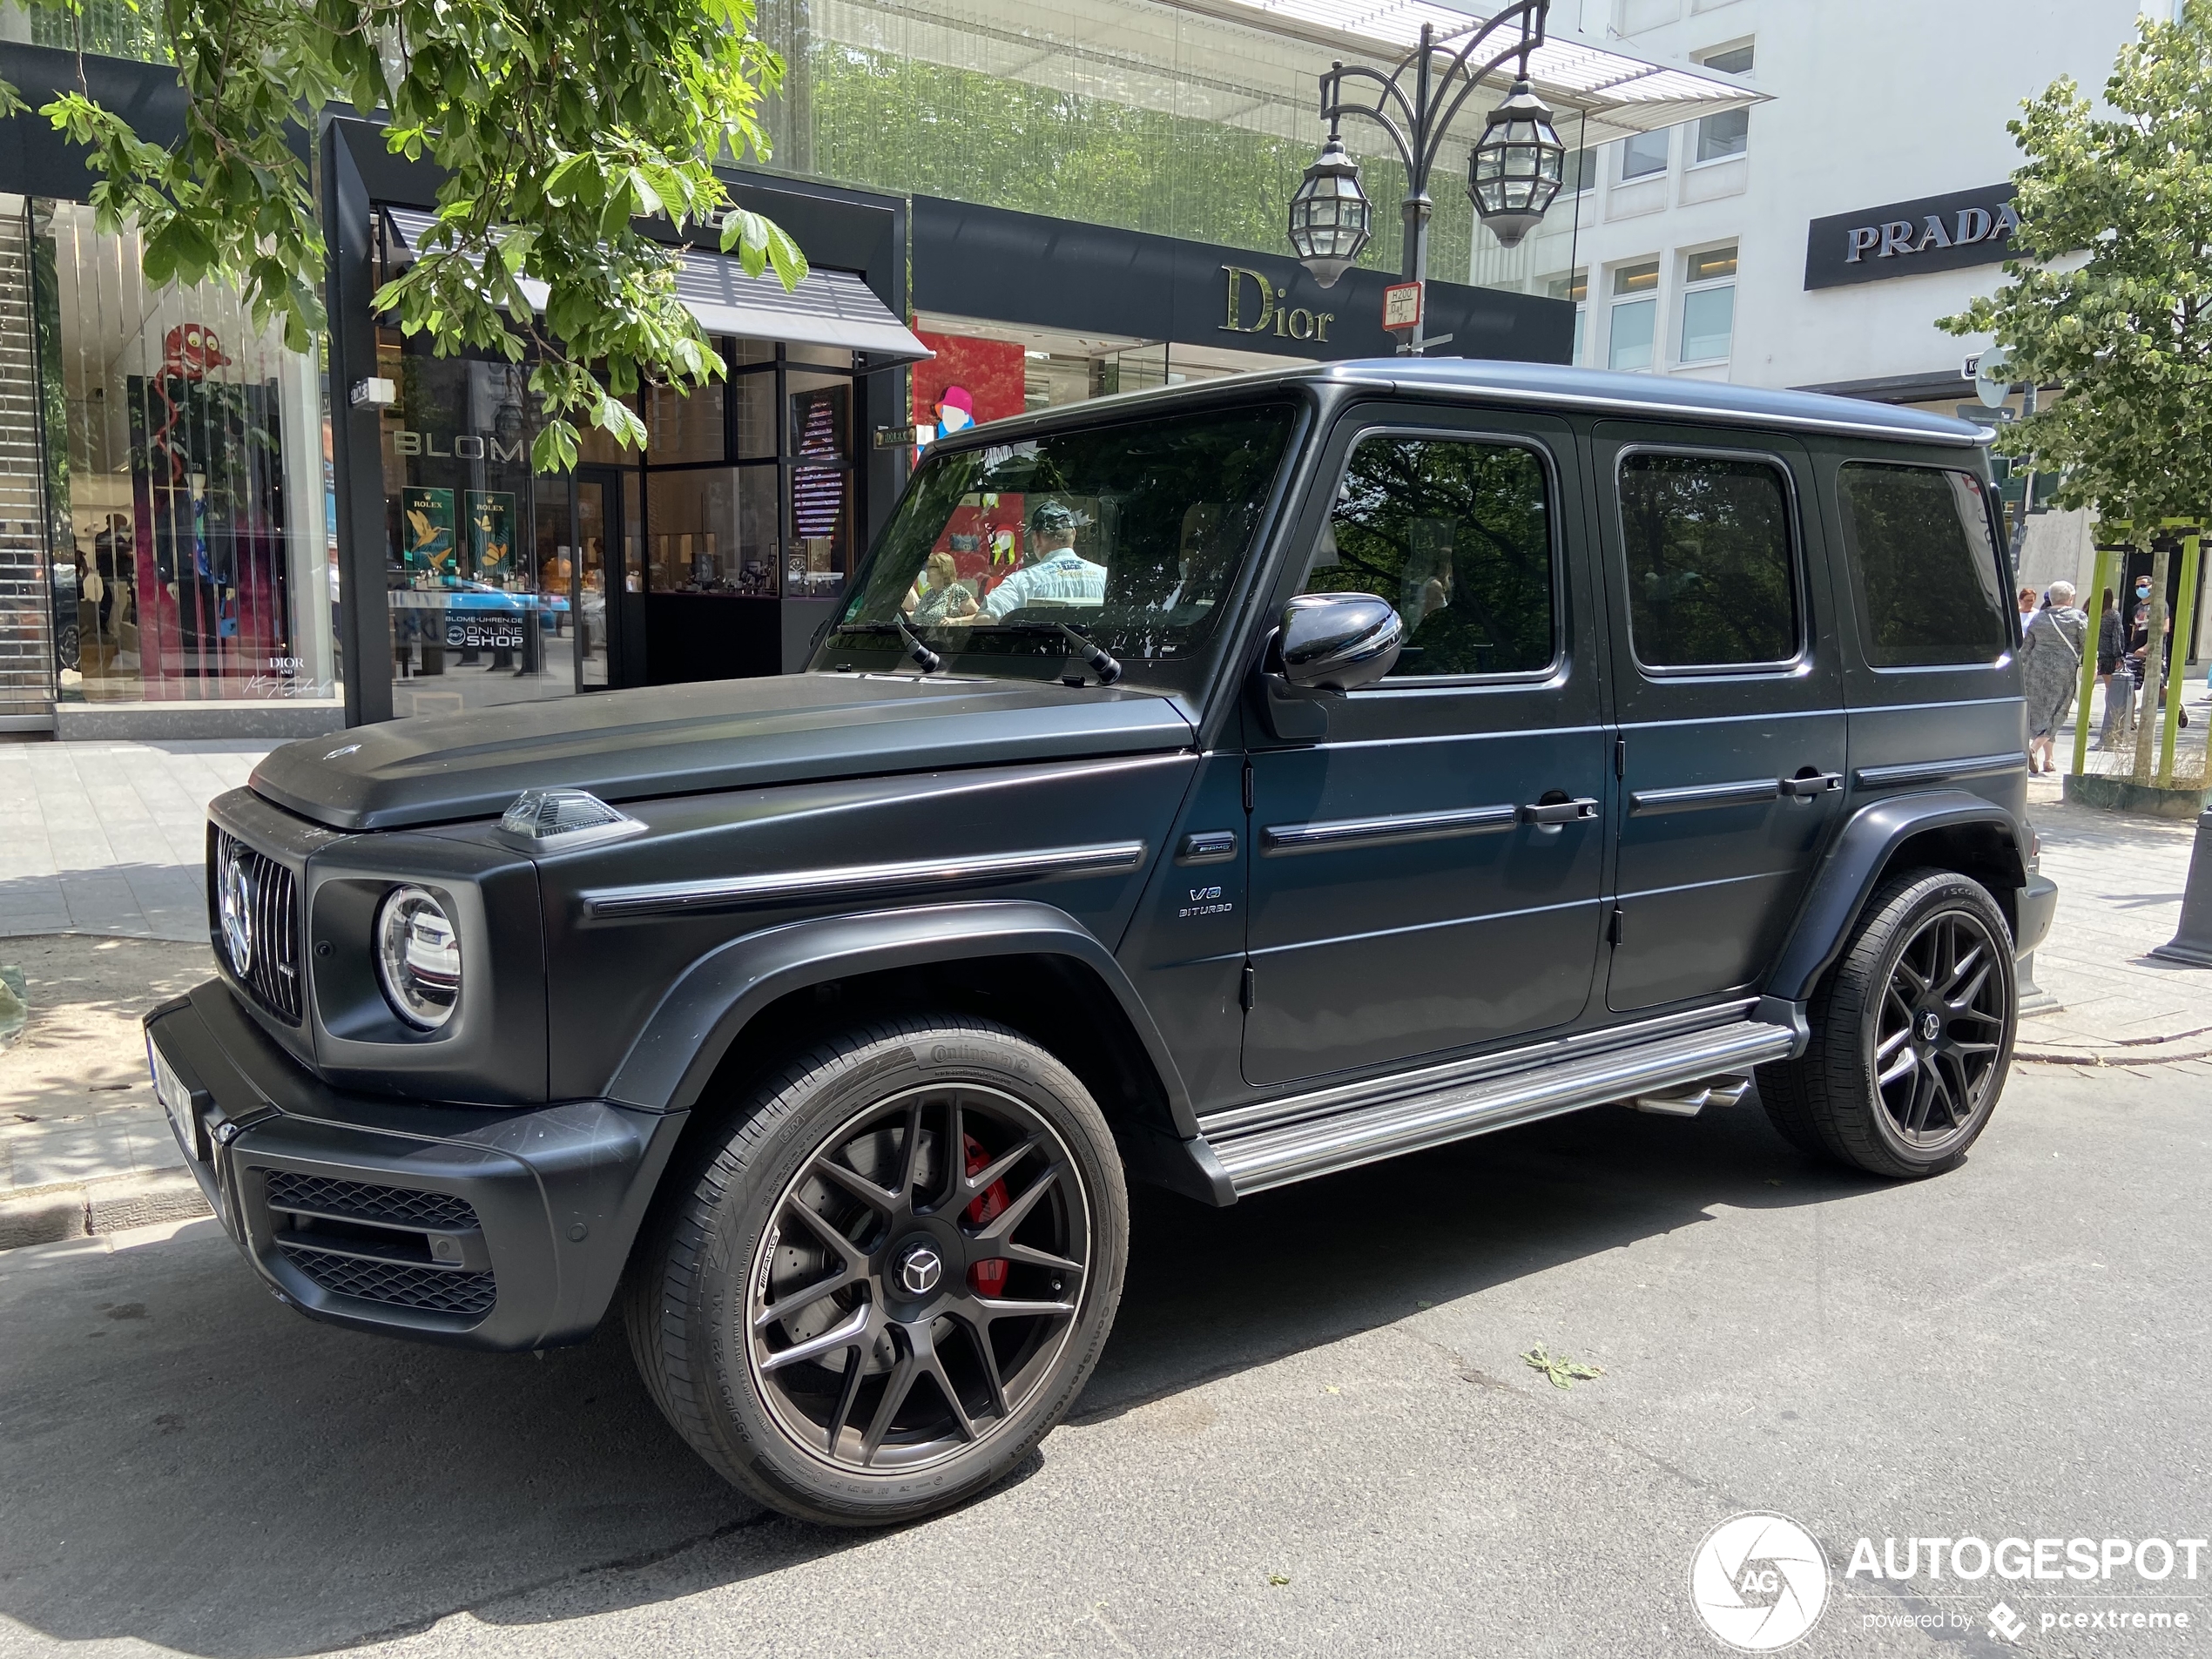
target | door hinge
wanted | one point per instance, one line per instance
(1250, 994)
(1613, 927)
(1620, 756)
(1247, 785)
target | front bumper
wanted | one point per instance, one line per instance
(478, 1226)
(2038, 902)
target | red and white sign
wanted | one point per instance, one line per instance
(1402, 306)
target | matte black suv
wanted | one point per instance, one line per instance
(1213, 788)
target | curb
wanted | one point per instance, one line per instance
(2107, 1058)
(54, 1214)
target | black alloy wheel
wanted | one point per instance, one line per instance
(921, 1274)
(1913, 1033)
(888, 1272)
(1938, 1038)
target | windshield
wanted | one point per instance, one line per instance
(1132, 534)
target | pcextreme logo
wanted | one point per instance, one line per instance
(1759, 1582)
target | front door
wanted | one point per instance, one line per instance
(608, 576)
(1428, 877)
(1728, 693)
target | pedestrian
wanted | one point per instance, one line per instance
(2050, 667)
(1052, 571)
(2027, 606)
(2112, 646)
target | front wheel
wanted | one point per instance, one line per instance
(1911, 1033)
(892, 1277)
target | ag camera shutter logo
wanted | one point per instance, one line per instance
(1759, 1582)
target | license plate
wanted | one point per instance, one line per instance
(176, 1100)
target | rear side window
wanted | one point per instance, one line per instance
(1456, 534)
(1712, 582)
(1923, 564)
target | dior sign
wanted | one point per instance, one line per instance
(1912, 238)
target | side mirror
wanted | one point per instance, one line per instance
(1339, 642)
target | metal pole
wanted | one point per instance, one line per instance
(2178, 683)
(2154, 661)
(2102, 580)
(1413, 259)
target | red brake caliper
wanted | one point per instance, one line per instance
(987, 1276)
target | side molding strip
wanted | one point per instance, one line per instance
(1938, 771)
(670, 898)
(1646, 803)
(1278, 841)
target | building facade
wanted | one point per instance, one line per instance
(1006, 206)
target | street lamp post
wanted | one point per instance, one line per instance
(1514, 174)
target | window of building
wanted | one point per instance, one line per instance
(1708, 305)
(1707, 542)
(1574, 287)
(1644, 154)
(1456, 533)
(1729, 60)
(1931, 591)
(1581, 172)
(1633, 327)
(1720, 138)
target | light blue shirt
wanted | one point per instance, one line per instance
(1061, 574)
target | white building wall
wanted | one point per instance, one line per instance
(1872, 102)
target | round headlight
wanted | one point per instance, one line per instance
(418, 958)
(234, 909)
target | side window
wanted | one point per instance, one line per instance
(1456, 533)
(1711, 573)
(1923, 565)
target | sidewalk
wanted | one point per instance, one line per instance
(101, 905)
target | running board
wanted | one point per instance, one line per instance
(1278, 1152)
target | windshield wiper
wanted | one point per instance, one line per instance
(928, 660)
(1100, 659)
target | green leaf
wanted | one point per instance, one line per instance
(1561, 1373)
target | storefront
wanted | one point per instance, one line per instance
(717, 552)
(166, 555)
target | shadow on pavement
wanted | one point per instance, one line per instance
(183, 1461)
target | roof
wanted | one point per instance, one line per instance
(827, 308)
(1619, 94)
(1549, 386)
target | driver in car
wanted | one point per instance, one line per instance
(1051, 570)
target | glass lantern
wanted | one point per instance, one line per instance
(1517, 167)
(1330, 214)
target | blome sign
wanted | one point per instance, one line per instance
(1912, 238)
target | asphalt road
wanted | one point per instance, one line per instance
(1311, 1434)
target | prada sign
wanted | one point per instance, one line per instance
(1912, 238)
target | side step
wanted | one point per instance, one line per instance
(1672, 1065)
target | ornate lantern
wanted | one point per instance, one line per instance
(1517, 167)
(1330, 214)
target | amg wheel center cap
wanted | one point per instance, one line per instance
(919, 1268)
(1931, 1025)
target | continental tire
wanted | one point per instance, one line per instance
(1913, 1033)
(893, 1277)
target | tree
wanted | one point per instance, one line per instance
(559, 124)
(2127, 329)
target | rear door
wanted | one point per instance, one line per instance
(1406, 898)
(1727, 694)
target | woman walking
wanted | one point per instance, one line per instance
(2050, 667)
(2112, 652)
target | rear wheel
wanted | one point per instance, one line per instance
(1911, 1033)
(892, 1277)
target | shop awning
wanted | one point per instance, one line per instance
(832, 308)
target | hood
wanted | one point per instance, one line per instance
(688, 739)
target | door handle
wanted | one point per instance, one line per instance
(1819, 782)
(1559, 812)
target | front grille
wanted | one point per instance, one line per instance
(432, 1290)
(359, 1201)
(270, 914)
